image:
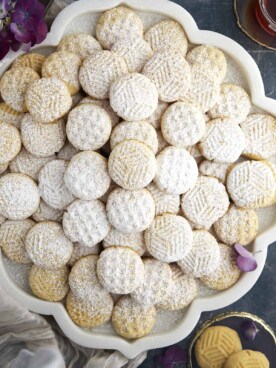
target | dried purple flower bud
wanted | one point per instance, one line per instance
(245, 260)
(173, 355)
(249, 330)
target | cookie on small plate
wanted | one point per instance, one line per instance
(247, 358)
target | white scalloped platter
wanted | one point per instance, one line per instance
(170, 327)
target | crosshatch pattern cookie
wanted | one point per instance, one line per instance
(81, 251)
(133, 97)
(116, 238)
(132, 165)
(251, 184)
(205, 203)
(10, 142)
(164, 202)
(176, 170)
(120, 270)
(47, 213)
(30, 60)
(12, 236)
(247, 358)
(86, 222)
(169, 238)
(155, 118)
(130, 211)
(81, 44)
(9, 115)
(86, 175)
(214, 169)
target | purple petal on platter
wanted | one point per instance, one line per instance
(30, 8)
(4, 49)
(246, 264)
(41, 31)
(15, 46)
(20, 33)
(242, 251)
(164, 362)
(249, 330)
(176, 355)
(26, 46)
(6, 35)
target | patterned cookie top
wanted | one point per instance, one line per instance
(169, 238)
(176, 170)
(132, 165)
(30, 60)
(28, 164)
(67, 152)
(120, 270)
(133, 97)
(247, 358)
(135, 51)
(182, 292)
(86, 222)
(138, 130)
(167, 35)
(233, 103)
(131, 320)
(117, 23)
(10, 142)
(215, 169)
(81, 44)
(223, 141)
(86, 175)
(205, 203)
(164, 202)
(12, 236)
(204, 256)
(182, 124)
(260, 136)
(162, 143)
(227, 272)
(9, 115)
(48, 99)
(19, 197)
(170, 73)
(155, 118)
(99, 71)
(211, 57)
(251, 184)
(130, 211)
(65, 66)
(14, 84)
(47, 213)
(116, 238)
(237, 226)
(51, 285)
(52, 187)
(47, 245)
(156, 284)
(88, 127)
(82, 251)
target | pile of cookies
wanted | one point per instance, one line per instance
(119, 170)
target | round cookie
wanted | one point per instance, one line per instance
(138, 130)
(155, 118)
(164, 202)
(89, 313)
(26, 163)
(19, 196)
(135, 51)
(86, 175)
(214, 169)
(133, 97)
(82, 251)
(120, 270)
(227, 273)
(86, 222)
(170, 73)
(237, 226)
(223, 142)
(132, 165)
(8, 115)
(176, 170)
(169, 238)
(65, 66)
(182, 292)
(156, 284)
(12, 236)
(67, 152)
(215, 345)
(116, 238)
(52, 187)
(81, 44)
(47, 245)
(48, 99)
(14, 84)
(247, 359)
(251, 184)
(10, 142)
(167, 35)
(51, 285)
(130, 211)
(30, 60)
(260, 136)
(117, 23)
(204, 256)
(161, 141)
(99, 71)
(132, 320)
(234, 103)
(182, 124)
(47, 213)
(205, 203)
(88, 127)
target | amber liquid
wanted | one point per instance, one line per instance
(270, 6)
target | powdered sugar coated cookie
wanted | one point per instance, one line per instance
(10, 142)
(81, 44)
(116, 238)
(164, 202)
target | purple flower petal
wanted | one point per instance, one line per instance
(15, 46)
(41, 31)
(164, 362)
(249, 330)
(21, 34)
(4, 49)
(246, 264)
(6, 36)
(26, 46)
(242, 251)
(176, 355)
(5, 7)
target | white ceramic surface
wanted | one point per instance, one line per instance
(174, 326)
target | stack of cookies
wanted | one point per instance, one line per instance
(128, 168)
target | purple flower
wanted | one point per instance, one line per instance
(6, 40)
(173, 355)
(249, 330)
(245, 260)
(5, 7)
